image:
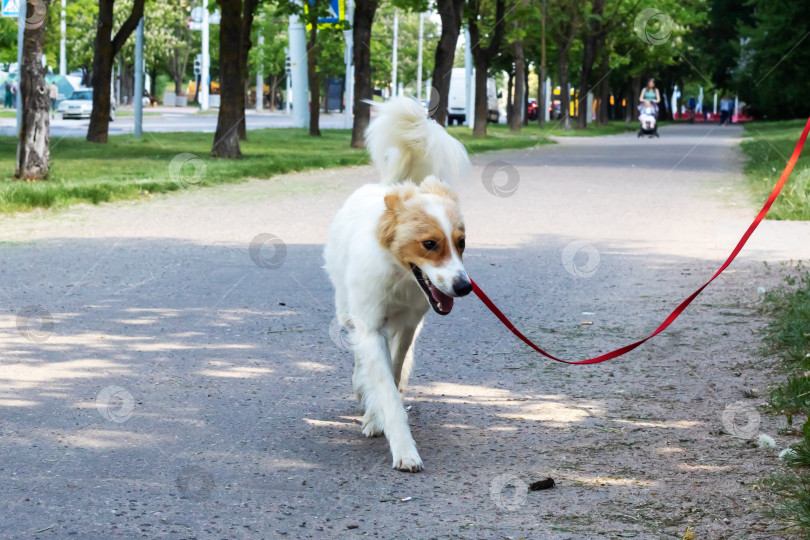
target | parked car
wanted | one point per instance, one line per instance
(80, 105)
(457, 101)
(532, 112)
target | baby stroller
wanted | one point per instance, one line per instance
(648, 124)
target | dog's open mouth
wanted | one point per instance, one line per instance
(440, 302)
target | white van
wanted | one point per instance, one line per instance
(457, 101)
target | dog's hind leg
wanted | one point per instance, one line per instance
(374, 379)
(402, 352)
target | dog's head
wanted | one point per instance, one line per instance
(423, 229)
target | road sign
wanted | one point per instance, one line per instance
(11, 8)
(337, 13)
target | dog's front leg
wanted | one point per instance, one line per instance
(374, 380)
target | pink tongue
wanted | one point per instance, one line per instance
(445, 302)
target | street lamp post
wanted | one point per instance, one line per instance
(137, 101)
(298, 69)
(419, 58)
(20, 41)
(206, 60)
(394, 67)
(63, 42)
(259, 78)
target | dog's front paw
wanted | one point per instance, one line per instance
(408, 462)
(370, 426)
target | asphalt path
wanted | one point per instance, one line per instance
(170, 368)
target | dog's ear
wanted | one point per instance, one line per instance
(395, 200)
(394, 205)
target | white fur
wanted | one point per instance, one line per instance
(407, 145)
(374, 294)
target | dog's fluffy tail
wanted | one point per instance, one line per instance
(407, 145)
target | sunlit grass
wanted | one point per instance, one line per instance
(789, 335)
(768, 146)
(130, 168)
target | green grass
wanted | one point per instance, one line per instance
(768, 146)
(129, 168)
(6, 113)
(789, 336)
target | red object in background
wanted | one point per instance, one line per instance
(532, 112)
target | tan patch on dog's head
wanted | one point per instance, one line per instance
(410, 230)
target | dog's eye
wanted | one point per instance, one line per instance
(461, 243)
(429, 245)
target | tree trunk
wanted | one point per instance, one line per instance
(127, 83)
(226, 138)
(33, 148)
(105, 51)
(584, 84)
(632, 99)
(314, 79)
(565, 93)
(519, 99)
(510, 110)
(450, 12)
(246, 44)
(197, 88)
(593, 38)
(152, 84)
(481, 105)
(526, 94)
(541, 101)
(604, 90)
(482, 58)
(273, 90)
(364, 11)
(541, 87)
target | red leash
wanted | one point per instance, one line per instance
(678, 310)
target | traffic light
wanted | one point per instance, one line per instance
(197, 65)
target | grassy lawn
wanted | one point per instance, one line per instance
(128, 168)
(614, 127)
(768, 146)
(788, 336)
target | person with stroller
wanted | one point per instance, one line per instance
(650, 93)
(647, 115)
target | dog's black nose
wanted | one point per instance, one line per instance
(462, 287)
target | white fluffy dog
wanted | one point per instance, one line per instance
(394, 251)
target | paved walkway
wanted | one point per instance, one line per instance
(168, 371)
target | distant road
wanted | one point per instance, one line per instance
(169, 119)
